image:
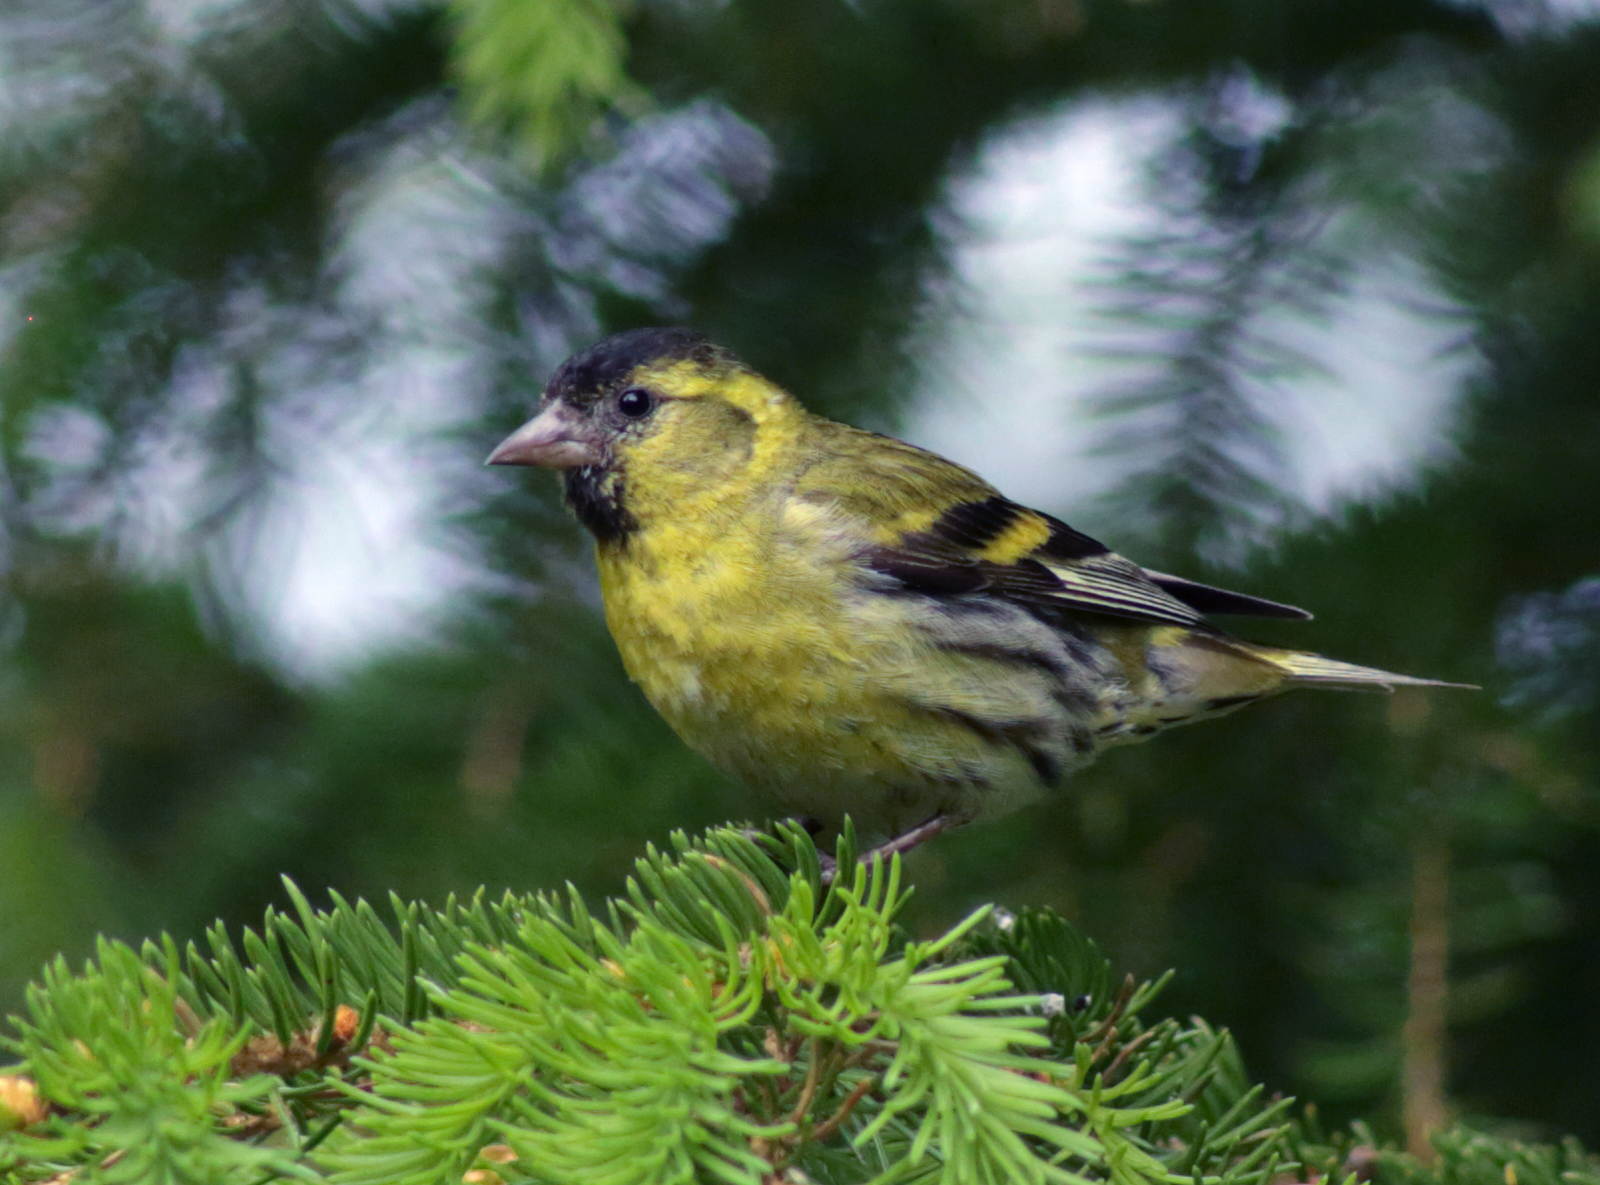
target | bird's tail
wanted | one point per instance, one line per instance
(1198, 676)
(1312, 670)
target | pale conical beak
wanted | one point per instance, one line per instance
(556, 438)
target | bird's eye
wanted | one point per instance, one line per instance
(635, 403)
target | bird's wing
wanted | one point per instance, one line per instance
(998, 547)
(932, 526)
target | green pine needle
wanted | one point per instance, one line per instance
(733, 1019)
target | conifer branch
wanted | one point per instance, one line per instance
(732, 1018)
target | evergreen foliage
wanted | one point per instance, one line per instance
(732, 1017)
(544, 72)
(725, 1020)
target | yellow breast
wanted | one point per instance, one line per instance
(753, 643)
(732, 627)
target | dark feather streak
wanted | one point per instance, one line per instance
(1025, 735)
(1062, 685)
(1222, 702)
(1015, 655)
(974, 524)
(1067, 544)
(925, 574)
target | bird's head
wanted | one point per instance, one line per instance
(645, 422)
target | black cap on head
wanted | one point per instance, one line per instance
(607, 363)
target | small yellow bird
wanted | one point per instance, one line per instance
(854, 625)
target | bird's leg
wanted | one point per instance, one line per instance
(900, 844)
(907, 840)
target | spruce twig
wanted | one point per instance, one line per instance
(663, 1045)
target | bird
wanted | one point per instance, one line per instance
(855, 626)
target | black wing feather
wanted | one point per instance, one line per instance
(1069, 572)
(1208, 599)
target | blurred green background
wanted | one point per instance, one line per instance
(1301, 296)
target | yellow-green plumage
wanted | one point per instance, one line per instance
(854, 625)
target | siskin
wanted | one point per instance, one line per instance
(854, 625)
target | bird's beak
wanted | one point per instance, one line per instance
(556, 438)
